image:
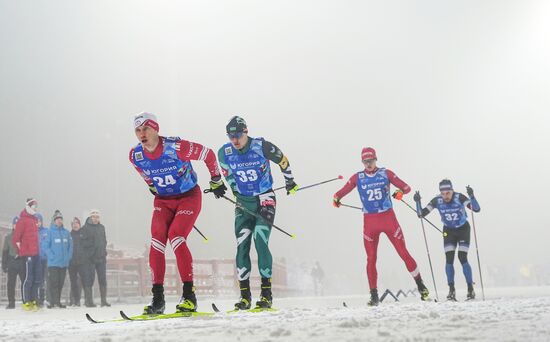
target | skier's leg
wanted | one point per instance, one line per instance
(449, 243)
(38, 277)
(187, 211)
(395, 235)
(162, 217)
(244, 227)
(371, 236)
(26, 284)
(262, 232)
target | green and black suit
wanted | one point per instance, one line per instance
(248, 173)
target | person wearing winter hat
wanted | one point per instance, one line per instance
(99, 259)
(13, 265)
(164, 163)
(25, 239)
(59, 249)
(43, 234)
(76, 271)
(246, 165)
(373, 184)
(456, 230)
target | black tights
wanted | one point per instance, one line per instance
(462, 257)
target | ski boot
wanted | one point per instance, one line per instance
(266, 298)
(471, 294)
(10, 305)
(157, 303)
(246, 297)
(422, 289)
(188, 301)
(452, 293)
(374, 300)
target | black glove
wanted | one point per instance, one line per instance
(470, 191)
(291, 187)
(417, 197)
(268, 213)
(218, 187)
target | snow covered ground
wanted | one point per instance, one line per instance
(515, 314)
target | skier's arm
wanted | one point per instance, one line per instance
(188, 150)
(424, 212)
(397, 182)
(347, 188)
(471, 202)
(229, 177)
(275, 154)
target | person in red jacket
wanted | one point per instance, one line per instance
(25, 239)
(373, 184)
(165, 165)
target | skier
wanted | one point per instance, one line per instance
(13, 265)
(456, 230)
(165, 165)
(25, 239)
(245, 165)
(373, 184)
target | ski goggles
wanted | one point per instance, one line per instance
(236, 135)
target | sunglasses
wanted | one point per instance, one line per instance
(237, 135)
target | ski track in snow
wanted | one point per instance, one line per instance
(300, 319)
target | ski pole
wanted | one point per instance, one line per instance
(433, 225)
(312, 185)
(201, 234)
(477, 252)
(254, 214)
(429, 257)
(350, 206)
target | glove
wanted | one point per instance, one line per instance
(470, 191)
(267, 212)
(398, 195)
(153, 190)
(5, 269)
(336, 202)
(291, 187)
(217, 187)
(417, 197)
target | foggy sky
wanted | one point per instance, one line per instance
(457, 89)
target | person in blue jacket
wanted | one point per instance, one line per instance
(43, 236)
(59, 249)
(456, 230)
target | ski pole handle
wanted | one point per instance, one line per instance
(312, 185)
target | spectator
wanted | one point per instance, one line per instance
(59, 249)
(43, 233)
(76, 269)
(100, 254)
(12, 265)
(85, 257)
(25, 239)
